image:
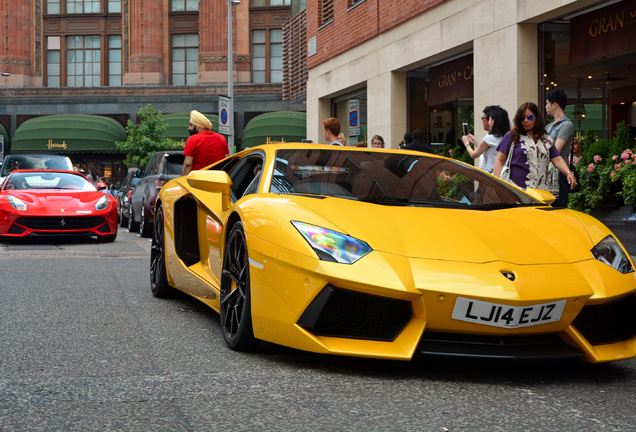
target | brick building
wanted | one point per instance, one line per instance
(113, 57)
(433, 64)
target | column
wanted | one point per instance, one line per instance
(146, 43)
(17, 43)
(386, 107)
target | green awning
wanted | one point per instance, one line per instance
(278, 126)
(68, 133)
(178, 126)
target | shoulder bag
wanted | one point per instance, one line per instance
(505, 171)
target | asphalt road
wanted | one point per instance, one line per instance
(85, 347)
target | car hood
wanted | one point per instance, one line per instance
(54, 202)
(522, 235)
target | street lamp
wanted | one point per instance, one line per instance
(230, 72)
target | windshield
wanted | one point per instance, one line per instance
(47, 180)
(15, 162)
(391, 179)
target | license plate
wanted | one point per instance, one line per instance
(498, 315)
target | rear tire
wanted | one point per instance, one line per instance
(235, 307)
(145, 227)
(158, 275)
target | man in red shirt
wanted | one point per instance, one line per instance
(204, 147)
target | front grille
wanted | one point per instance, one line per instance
(338, 312)
(608, 322)
(60, 223)
(519, 347)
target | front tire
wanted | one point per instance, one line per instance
(235, 308)
(158, 275)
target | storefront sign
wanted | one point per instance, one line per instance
(354, 117)
(606, 32)
(56, 145)
(450, 81)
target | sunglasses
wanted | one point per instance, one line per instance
(529, 117)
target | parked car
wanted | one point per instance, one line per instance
(162, 167)
(123, 196)
(55, 203)
(34, 161)
(386, 253)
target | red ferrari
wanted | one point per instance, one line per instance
(54, 203)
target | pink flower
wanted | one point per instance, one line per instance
(590, 167)
(634, 156)
(626, 154)
(597, 159)
(612, 174)
(614, 157)
(634, 163)
(617, 166)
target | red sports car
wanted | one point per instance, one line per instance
(55, 202)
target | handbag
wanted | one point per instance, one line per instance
(505, 171)
(575, 171)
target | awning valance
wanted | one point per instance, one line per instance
(178, 126)
(275, 127)
(68, 133)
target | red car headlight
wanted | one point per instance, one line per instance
(16, 203)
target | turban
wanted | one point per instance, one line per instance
(198, 119)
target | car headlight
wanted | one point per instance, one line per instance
(610, 252)
(16, 203)
(331, 245)
(102, 203)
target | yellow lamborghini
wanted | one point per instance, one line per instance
(391, 253)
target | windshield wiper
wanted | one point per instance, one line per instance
(396, 200)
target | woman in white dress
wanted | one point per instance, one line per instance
(495, 121)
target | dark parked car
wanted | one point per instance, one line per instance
(162, 167)
(123, 196)
(34, 161)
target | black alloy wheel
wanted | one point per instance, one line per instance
(158, 276)
(145, 227)
(235, 308)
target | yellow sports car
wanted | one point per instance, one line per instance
(391, 253)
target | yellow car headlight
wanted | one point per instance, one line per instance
(610, 252)
(16, 203)
(332, 246)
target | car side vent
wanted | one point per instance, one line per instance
(608, 322)
(343, 313)
(186, 236)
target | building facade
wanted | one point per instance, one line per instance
(434, 64)
(114, 57)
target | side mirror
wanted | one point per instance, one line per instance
(213, 181)
(101, 186)
(541, 195)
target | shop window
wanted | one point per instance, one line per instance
(326, 12)
(114, 6)
(53, 6)
(267, 56)
(114, 61)
(185, 5)
(82, 6)
(83, 63)
(185, 64)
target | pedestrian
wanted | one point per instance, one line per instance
(331, 130)
(343, 139)
(408, 139)
(377, 141)
(561, 131)
(418, 143)
(203, 147)
(576, 152)
(495, 121)
(93, 175)
(531, 150)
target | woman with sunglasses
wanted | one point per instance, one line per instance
(494, 121)
(532, 151)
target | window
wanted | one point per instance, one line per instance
(185, 5)
(53, 61)
(83, 61)
(114, 61)
(265, 3)
(82, 6)
(353, 3)
(185, 54)
(326, 12)
(267, 56)
(53, 6)
(114, 6)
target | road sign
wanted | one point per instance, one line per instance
(225, 117)
(354, 117)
